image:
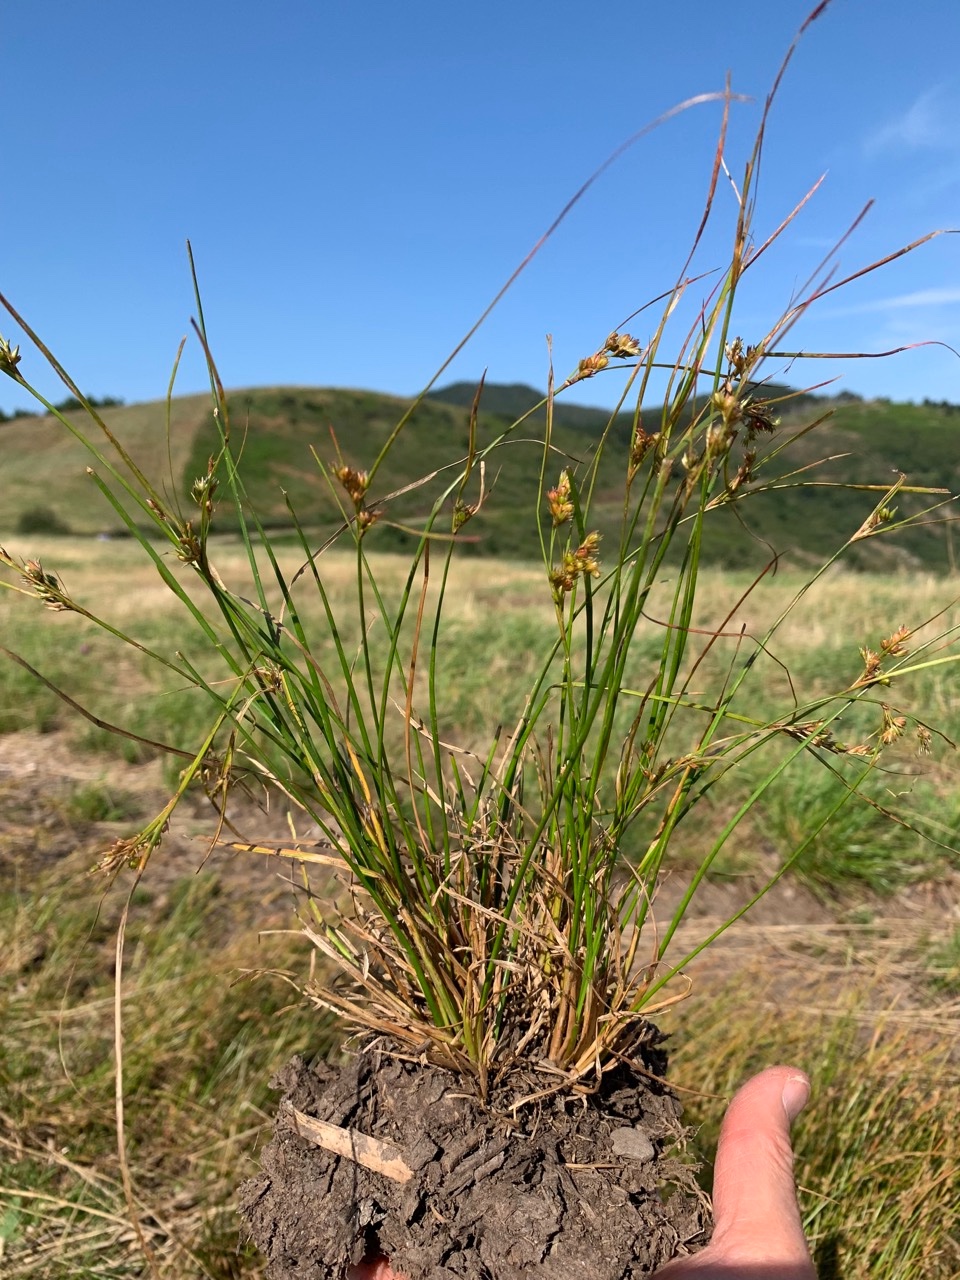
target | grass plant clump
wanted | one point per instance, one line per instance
(488, 925)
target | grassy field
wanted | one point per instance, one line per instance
(499, 621)
(851, 970)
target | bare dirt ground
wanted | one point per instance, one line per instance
(798, 938)
(41, 840)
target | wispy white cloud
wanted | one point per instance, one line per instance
(936, 297)
(927, 124)
(815, 242)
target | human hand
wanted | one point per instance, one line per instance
(757, 1233)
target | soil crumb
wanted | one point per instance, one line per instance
(585, 1187)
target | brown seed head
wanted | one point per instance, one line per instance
(189, 549)
(203, 489)
(745, 471)
(735, 356)
(9, 357)
(355, 482)
(727, 404)
(558, 500)
(871, 665)
(720, 436)
(575, 564)
(740, 358)
(759, 418)
(563, 577)
(586, 557)
(591, 365)
(46, 586)
(892, 727)
(643, 442)
(895, 646)
(622, 345)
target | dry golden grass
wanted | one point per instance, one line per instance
(853, 1003)
(841, 608)
(878, 1148)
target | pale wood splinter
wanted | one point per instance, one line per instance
(371, 1153)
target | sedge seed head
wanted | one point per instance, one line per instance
(575, 564)
(727, 405)
(563, 577)
(622, 346)
(189, 549)
(203, 489)
(735, 357)
(873, 522)
(558, 500)
(586, 557)
(591, 365)
(744, 472)
(462, 512)
(9, 357)
(643, 442)
(720, 436)
(354, 482)
(759, 418)
(741, 358)
(892, 727)
(46, 586)
(895, 645)
(871, 663)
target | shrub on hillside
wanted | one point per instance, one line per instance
(41, 520)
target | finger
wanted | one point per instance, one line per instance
(374, 1269)
(754, 1195)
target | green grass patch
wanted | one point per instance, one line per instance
(201, 1043)
(877, 1148)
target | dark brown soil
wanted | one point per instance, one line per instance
(577, 1186)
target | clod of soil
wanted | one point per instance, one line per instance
(575, 1186)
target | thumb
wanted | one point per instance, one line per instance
(758, 1230)
(377, 1268)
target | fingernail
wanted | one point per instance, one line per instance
(796, 1093)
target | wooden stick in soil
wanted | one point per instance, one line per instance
(372, 1153)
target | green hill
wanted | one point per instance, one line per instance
(44, 467)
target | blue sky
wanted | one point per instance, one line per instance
(359, 179)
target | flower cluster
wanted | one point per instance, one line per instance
(559, 500)
(9, 357)
(893, 725)
(894, 646)
(203, 489)
(355, 482)
(619, 345)
(622, 345)
(46, 586)
(576, 564)
(642, 443)
(590, 365)
(741, 359)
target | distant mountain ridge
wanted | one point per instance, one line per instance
(868, 442)
(512, 399)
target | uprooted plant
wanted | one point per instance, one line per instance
(488, 921)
